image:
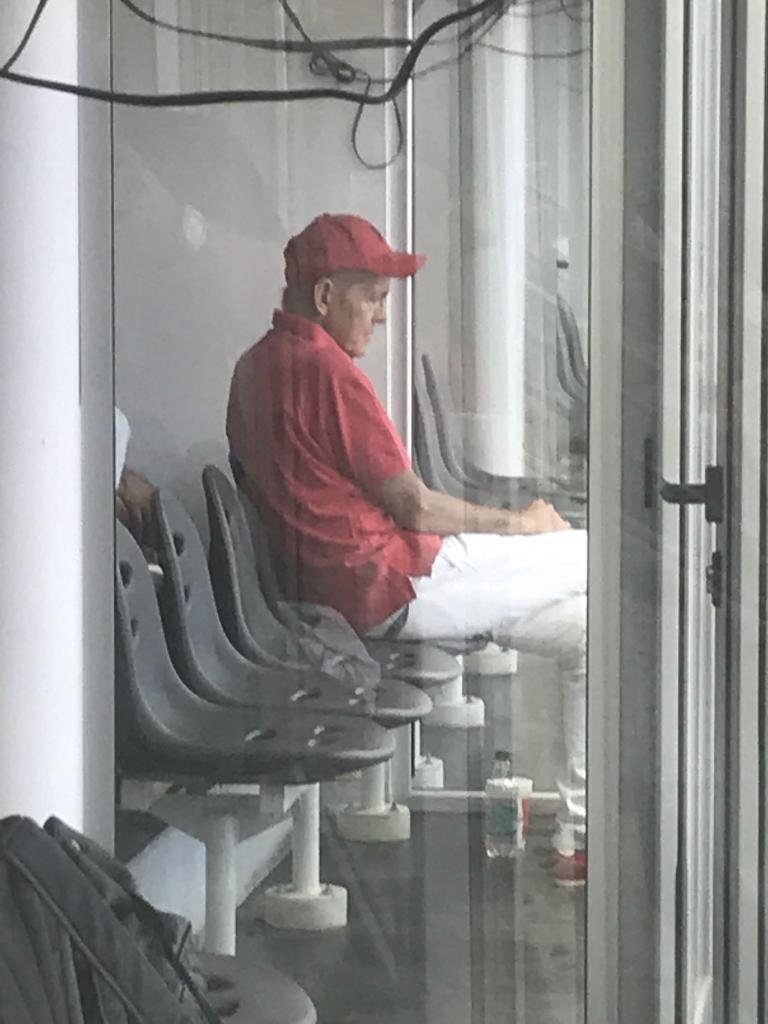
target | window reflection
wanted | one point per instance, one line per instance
(400, 505)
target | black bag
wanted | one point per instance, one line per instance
(79, 945)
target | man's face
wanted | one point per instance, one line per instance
(355, 304)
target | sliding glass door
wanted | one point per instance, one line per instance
(660, 534)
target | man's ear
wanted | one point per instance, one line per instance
(322, 295)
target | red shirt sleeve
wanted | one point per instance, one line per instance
(363, 438)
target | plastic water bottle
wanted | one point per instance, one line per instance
(501, 809)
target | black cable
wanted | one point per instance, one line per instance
(486, 22)
(477, 42)
(473, 41)
(322, 59)
(388, 161)
(281, 45)
(26, 37)
(305, 46)
(383, 164)
(218, 97)
(324, 62)
(472, 36)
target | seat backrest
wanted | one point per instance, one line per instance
(574, 349)
(277, 592)
(236, 466)
(201, 653)
(426, 442)
(307, 637)
(565, 376)
(243, 608)
(150, 699)
(441, 417)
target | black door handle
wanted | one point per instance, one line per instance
(710, 493)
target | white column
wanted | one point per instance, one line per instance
(41, 658)
(221, 884)
(493, 201)
(373, 788)
(306, 842)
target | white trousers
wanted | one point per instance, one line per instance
(529, 593)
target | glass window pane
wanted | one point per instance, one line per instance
(410, 444)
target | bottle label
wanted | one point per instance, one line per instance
(502, 818)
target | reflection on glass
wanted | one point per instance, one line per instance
(404, 559)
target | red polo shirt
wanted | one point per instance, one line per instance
(316, 444)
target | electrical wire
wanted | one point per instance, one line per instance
(388, 161)
(324, 62)
(308, 46)
(472, 36)
(281, 45)
(236, 96)
(217, 97)
(26, 37)
(470, 44)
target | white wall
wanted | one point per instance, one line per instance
(205, 202)
(41, 673)
(56, 737)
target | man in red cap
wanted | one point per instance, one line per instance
(359, 531)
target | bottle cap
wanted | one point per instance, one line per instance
(522, 784)
(502, 755)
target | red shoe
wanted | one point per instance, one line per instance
(571, 871)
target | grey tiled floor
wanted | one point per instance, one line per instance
(437, 933)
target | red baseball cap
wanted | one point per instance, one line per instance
(341, 241)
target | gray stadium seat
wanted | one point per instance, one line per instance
(213, 668)
(572, 375)
(493, 488)
(164, 731)
(250, 599)
(436, 449)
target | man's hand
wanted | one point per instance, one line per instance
(539, 517)
(133, 506)
(414, 506)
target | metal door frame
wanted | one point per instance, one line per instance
(624, 921)
(605, 473)
(742, 814)
(624, 965)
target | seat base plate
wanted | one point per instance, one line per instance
(465, 713)
(429, 773)
(284, 907)
(390, 824)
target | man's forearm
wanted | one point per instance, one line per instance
(444, 514)
(414, 506)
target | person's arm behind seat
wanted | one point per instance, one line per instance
(414, 506)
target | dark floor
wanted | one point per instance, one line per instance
(437, 933)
